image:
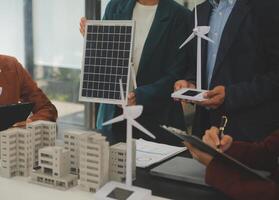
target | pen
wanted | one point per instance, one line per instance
(222, 127)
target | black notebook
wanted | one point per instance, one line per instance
(199, 144)
(13, 113)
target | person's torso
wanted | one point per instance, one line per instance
(241, 59)
(218, 19)
(158, 50)
(143, 17)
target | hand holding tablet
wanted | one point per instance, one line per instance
(207, 98)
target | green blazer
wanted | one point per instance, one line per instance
(161, 62)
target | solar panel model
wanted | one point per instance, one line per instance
(106, 59)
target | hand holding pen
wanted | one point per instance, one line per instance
(215, 137)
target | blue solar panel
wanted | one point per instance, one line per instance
(106, 60)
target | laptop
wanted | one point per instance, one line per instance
(13, 113)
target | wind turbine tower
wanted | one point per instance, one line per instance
(199, 32)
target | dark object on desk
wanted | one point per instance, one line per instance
(186, 170)
(199, 144)
(13, 113)
(120, 194)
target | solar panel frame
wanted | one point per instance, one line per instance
(107, 24)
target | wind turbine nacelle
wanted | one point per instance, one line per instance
(133, 111)
(202, 30)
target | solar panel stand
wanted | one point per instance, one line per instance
(133, 75)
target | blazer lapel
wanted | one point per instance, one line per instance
(230, 31)
(126, 12)
(157, 30)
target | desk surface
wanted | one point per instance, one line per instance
(19, 189)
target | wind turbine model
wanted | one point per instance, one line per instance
(199, 32)
(112, 190)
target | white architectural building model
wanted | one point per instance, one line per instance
(54, 163)
(16, 152)
(117, 167)
(43, 135)
(94, 161)
(19, 147)
(71, 143)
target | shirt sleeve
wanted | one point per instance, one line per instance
(261, 155)
(238, 185)
(29, 92)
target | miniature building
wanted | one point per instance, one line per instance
(55, 169)
(16, 152)
(43, 135)
(117, 170)
(71, 143)
(94, 161)
(19, 147)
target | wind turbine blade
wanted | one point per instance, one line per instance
(122, 93)
(187, 40)
(206, 38)
(115, 120)
(141, 128)
(196, 15)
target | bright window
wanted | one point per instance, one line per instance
(12, 28)
(57, 41)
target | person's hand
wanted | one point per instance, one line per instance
(211, 137)
(198, 155)
(22, 124)
(132, 101)
(215, 98)
(183, 84)
(82, 25)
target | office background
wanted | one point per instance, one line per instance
(44, 36)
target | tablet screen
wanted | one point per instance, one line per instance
(191, 93)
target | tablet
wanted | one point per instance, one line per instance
(185, 170)
(13, 113)
(199, 144)
(189, 94)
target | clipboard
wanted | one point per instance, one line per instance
(199, 144)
